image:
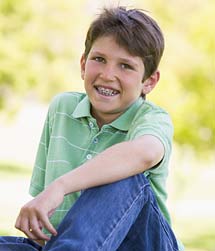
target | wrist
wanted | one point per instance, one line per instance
(69, 182)
(56, 187)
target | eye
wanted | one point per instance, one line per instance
(99, 59)
(126, 66)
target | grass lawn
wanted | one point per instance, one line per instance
(197, 234)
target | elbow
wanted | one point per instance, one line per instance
(153, 158)
(151, 154)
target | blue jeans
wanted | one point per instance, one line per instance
(122, 216)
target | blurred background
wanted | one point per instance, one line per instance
(40, 46)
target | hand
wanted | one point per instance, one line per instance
(35, 214)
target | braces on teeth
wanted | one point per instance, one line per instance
(106, 92)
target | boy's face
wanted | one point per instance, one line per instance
(112, 79)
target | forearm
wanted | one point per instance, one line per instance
(107, 167)
(115, 163)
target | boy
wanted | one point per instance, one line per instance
(110, 144)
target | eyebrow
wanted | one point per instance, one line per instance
(125, 60)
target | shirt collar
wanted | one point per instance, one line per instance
(123, 122)
(82, 109)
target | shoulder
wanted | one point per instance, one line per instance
(149, 108)
(150, 113)
(152, 120)
(65, 102)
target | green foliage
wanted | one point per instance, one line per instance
(41, 43)
(9, 169)
(187, 86)
(196, 78)
(38, 42)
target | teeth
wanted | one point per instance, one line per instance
(106, 92)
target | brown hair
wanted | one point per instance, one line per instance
(134, 30)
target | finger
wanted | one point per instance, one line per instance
(30, 228)
(24, 226)
(17, 223)
(30, 234)
(35, 230)
(51, 212)
(46, 223)
(40, 225)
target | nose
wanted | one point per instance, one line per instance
(108, 72)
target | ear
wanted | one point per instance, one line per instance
(150, 83)
(82, 63)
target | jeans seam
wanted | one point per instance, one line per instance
(167, 234)
(142, 188)
(20, 239)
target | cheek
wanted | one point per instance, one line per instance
(134, 84)
(91, 71)
(89, 78)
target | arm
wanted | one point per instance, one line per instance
(115, 163)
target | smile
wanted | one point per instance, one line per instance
(106, 91)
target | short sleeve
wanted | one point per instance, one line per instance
(152, 120)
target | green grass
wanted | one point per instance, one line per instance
(13, 170)
(14, 183)
(196, 233)
(204, 241)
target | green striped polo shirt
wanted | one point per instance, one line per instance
(71, 137)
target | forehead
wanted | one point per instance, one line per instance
(109, 46)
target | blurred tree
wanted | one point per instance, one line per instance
(187, 86)
(41, 43)
(38, 42)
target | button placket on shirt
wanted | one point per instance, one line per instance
(89, 156)
(95, 140)
(91, 125)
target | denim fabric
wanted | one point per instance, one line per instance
(121, 216)
(9, 243)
